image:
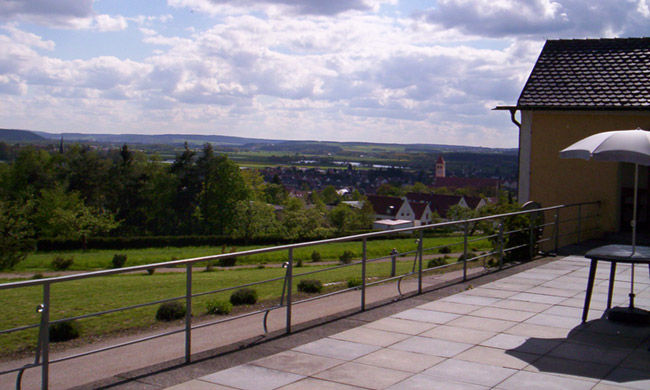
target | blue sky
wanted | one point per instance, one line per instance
(340, 70)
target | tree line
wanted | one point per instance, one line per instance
(80, 192)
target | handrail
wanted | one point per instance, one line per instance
(534, 230)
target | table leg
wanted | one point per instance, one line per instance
(590, 288)
(612, 276)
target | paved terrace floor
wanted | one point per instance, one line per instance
(523, 331)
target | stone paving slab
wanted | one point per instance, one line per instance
(520, 332)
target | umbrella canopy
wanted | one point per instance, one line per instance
(631, 146)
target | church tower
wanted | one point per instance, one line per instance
(440, 167)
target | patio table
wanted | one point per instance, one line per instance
(614, 254)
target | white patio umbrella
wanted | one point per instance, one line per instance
(632, 146)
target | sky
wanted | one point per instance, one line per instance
(397, 71)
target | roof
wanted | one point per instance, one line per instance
(473, 201)
(590, 74)
(418, 209)
(438, 203)
(385, 205)
(440, 160)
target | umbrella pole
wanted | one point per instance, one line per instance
(636, 187)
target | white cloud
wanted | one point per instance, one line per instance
(541, 18)
(296, 7)
(109, 23)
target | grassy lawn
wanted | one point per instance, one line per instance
(106, 293)
(101, 259)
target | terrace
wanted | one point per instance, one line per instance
(498, 327)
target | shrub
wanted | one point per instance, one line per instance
(346, 257)
(64, 331)
(310, 286)
(437, 262)
(227, 262)
(119, 260)
(354, 282)
(219, 307)
(315, 256)
(38, 276)
(299, 263)
(170, 311)
(151, 271)
(60, 263)
(470, 255)
(444, 249)
(244, 296)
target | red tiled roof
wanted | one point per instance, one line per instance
(590, 74)
(438, 203)
(418, 209)
(385, 205)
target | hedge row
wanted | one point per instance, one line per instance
(55, 244)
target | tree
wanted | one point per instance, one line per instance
(388, 190)
(221, 191)
(329, 195)
(63, 214)
(15, 231)
(253, 218)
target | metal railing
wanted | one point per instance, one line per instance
(537, 233)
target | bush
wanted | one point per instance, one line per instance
(170, 311)
(444, 249)
(315, 256)
(60, 263)
(299, 263)
(119, 260)
(310, 286)
(219, 307)
(151, 271)
(64, 331)
(346, 257)
(437, 262)
(244, 296)
(38, 276)
(227, 262)
(354, 282)
(470, 255)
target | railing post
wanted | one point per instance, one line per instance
(420, 246)
(557, 230)
(289, 289)
(531, 229)
(465, 251)
(501, 242)
(579, 223)
(45, 338)
(188, 313)
(363, 276)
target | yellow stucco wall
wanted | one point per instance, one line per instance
(556, 181)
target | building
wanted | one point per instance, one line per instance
(440, 167)
(395, 208)
(578, 88)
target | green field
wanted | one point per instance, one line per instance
(101, 259)
(106, 293)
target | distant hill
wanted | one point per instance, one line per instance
(14, 135)
(156, 139)
(304, 146)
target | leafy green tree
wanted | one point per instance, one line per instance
(188, 186)
(329, 195)
(255, 181)
(221, 191)
(387, 189)
(15, 231)
(275, 193)
(31, 172)
(253, 218)
(87, 173)
(63, 214)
